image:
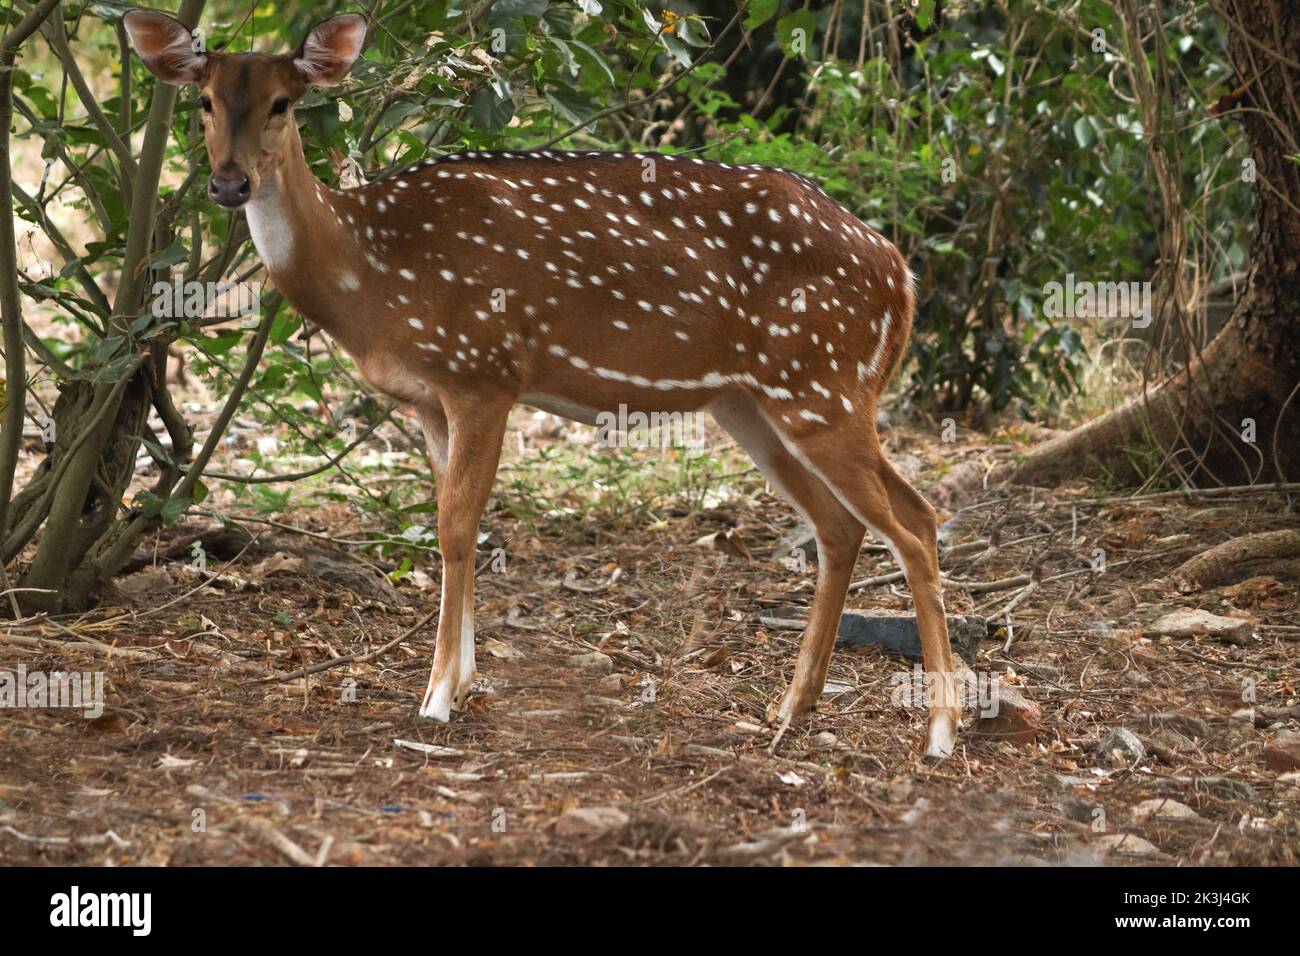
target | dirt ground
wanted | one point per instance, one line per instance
(625, 670)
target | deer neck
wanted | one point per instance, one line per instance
(300, 237)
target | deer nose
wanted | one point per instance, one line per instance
(228, 192)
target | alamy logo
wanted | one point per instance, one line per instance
(654, 430)
(76, 690)
(75, 908)
(1098, 300)
(194, 300)
(921, 689)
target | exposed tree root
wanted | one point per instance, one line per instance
(1267, 552)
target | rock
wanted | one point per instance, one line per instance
(594, 662)
(590, 821)
(1075, 780)
(1194, 622)
(1018, 719)
(899, 633)
(1162, 808)
(1283, 754)
(1120, 747)
(1126, 844)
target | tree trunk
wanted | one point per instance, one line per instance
(88, 499)
(1233, 416)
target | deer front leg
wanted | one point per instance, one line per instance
(470, 447)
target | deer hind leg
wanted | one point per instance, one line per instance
(839, 537)
(847, 457)
(465, 443)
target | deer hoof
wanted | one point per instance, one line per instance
(941, 736)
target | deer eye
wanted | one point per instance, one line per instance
(280, 106)
(206, 103)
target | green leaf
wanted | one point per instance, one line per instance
(173, 509)
(797, 32)
(693, 31)
(595, 58)
(574, 108)
(1083, 132)
(925, 14)
(155, 449)
(150, 505)
(760, 11)
(218, 344)
(175, 253)
(491, 113)
(284, 325)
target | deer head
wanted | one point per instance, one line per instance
(247, 98)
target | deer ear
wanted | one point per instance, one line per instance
(330, 49)
(166, 46)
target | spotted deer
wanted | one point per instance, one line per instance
(577, 282)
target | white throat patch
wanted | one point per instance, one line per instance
(269, 225)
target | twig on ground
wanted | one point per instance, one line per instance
(357, 658)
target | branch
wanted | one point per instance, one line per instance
(144, 196)
(11, 315)
(58, 40)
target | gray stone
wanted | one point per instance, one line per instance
(1163, 808)
(1194, 622)
(899, 633)
(594, 662)
(1126, 844)
(1121, 747)
(590, 821)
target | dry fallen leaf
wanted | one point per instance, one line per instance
(507, 652)
(108, 724)
(728, 542)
